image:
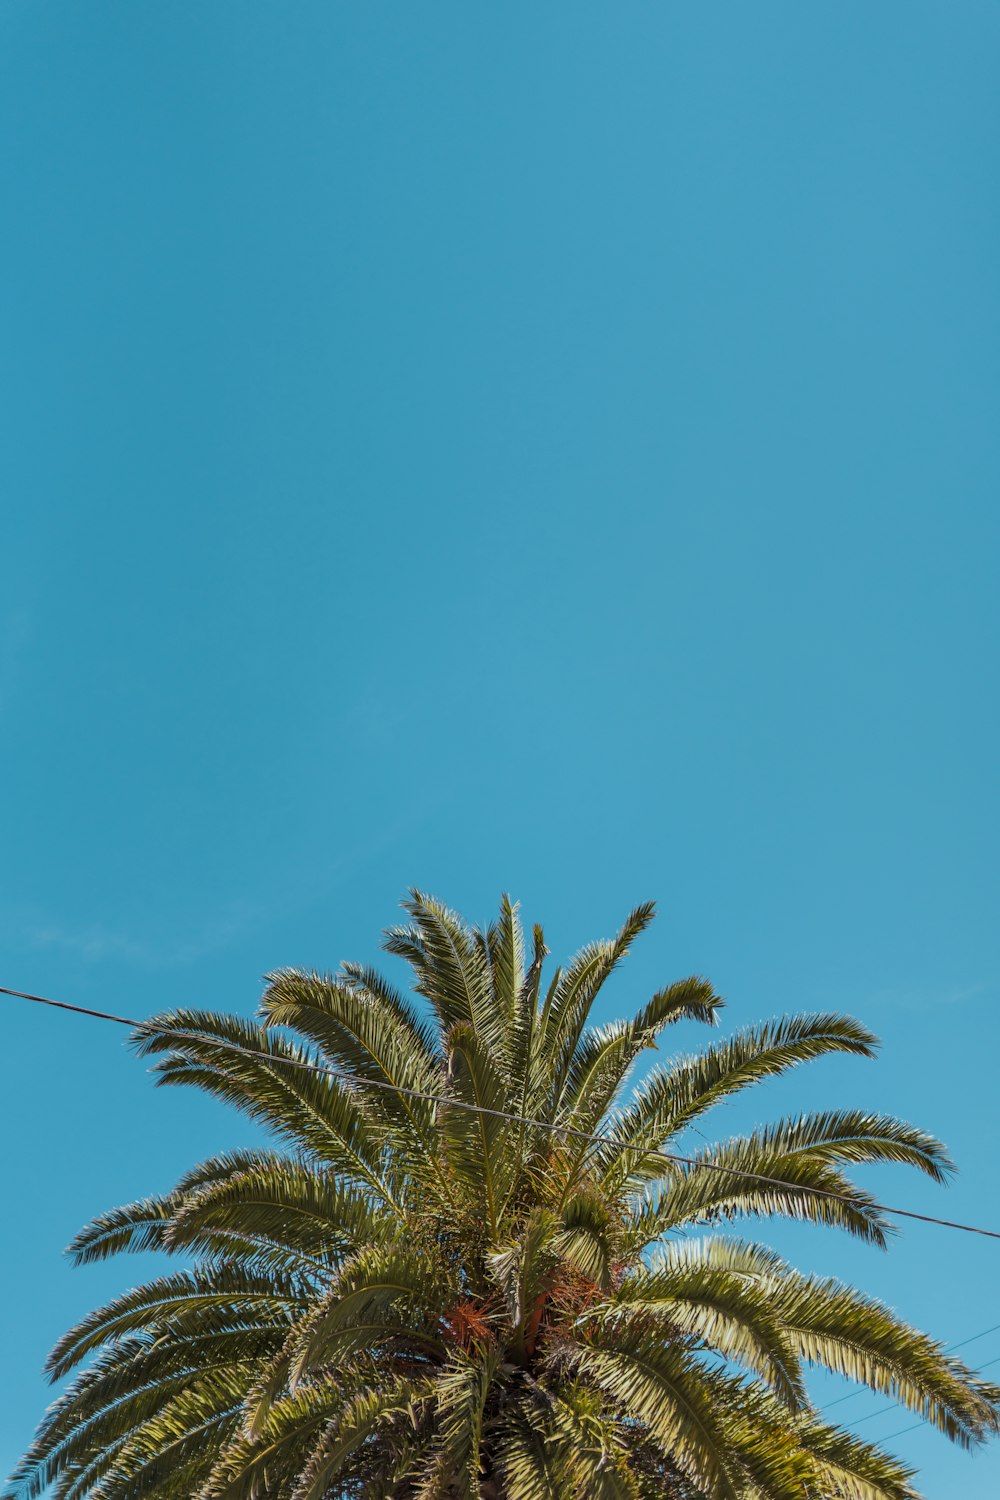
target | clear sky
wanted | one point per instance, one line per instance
(544, 447)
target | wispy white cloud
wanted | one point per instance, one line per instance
(94, 943)
(165, 947)
(927, 999)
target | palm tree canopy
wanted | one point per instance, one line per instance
(415, 1296)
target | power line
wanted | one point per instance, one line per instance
(80, 1010)
(883, 1410)
(648, 1152)
(972, 1339)
(950, 1349)
(903, 1430)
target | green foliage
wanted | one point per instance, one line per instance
(412, 1300)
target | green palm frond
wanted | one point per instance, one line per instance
(529, 1465)
(851, 1335)
(288, 1442)
(396, 1291)
(603, 1056)
(587, 1238)
(572, 995)
(788, 1168)
(673, 1098)
(818, 1460)
(369, 1032)
(451, 971)
(126, 1386)
(668, 1392)
(360, 1421)
(590, 1444)
(185, 1430)
(716, 1309)
(504, 943)
(460, 1394)
(136, 1227)
(314, 1112)
(287, 1212)
(415, 1298)
(477, 1143)
(189, 1299)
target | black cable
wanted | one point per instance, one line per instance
(80, 1010)
(950, 1349)
(649, 1152)
(903, 1430)
(897, 1404)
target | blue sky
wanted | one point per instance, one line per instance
(542, 447)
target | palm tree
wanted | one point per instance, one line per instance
(422, 1294)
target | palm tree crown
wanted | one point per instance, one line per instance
(411, 1298)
